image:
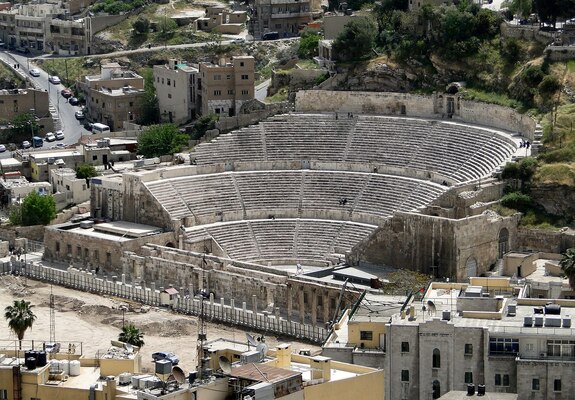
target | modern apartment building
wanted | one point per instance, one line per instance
(287, 17)
(224, 87)
(113, 96)
(46, 27)
(175, 85)
(496, 335)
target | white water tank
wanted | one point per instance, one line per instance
(74, 368)
(125, 378)
(54, 366)
(65, 366)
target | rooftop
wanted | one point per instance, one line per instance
(263, 372)
(120, 231)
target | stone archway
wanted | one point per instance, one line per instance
(503, 242)
(471, 267)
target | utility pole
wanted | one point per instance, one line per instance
(52, 318)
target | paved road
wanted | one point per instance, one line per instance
(62, 111)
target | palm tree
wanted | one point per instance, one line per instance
(132, 335)
(567, 264)
(20, 317)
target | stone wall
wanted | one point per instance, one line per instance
(388, 103)
(91, 252)
(298, 298)
(548, 241)
(527, 32)
(434, 245)
(560, 53)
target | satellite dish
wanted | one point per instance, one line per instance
(431, 306)
(251, 340)
(225, 365)
(178, 375)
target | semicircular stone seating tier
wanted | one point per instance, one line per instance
(283, 240)
(454, 150)
(359, 196)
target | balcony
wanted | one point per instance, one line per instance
(543, 357)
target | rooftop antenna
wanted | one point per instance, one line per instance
(52, 318)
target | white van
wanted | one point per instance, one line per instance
(100, 128)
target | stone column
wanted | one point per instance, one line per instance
(301, 305)
(254, 304)
(325, 307)
(289, 302)
(313, 307)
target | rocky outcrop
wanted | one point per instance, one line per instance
(555, 198)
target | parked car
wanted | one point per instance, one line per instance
(59, 135)
(239, 41)
(60, 146)
(80, 115)
(66, 93)
(52, 347)
(2, 148)
(165, 355)
(26, 144)
(35, 72)
(50, 137)
(54, 79)
(88, 126)
(74, 101)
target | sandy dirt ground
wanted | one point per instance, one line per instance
(95, 320)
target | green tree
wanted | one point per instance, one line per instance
(86, 171)
(166, 28)
(522, 8)
(356, 41)
(149, 106)
(567, 265)
(141, 25)
(548, 87)
(132, 335)
(23, 124)
(204, 124)
(308, 44)
(35, 209)
(517, 200)
(159, 140)
(20, 317)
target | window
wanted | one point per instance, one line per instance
(168, 82)
(469, 377)
(468, 349)
(497, 379)
(217, 92)
(169, 95)
(131, 104)
(305, 299)
(245, 77)
(535, 384)
(241, 64)
(103, 105)
(561, 348)
(505, 380)
(228, 76)
(503, 346)
(557, 385)
(57, 247)
(230, 91)
(436, 359)
(96, 256)
(405, 347)
(69, 249)
(365, 335)
(405, 375)
(78, 251)
(244, 92)
(217, 77)
(3, 394)
(94, 157)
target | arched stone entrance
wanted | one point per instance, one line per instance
(471, 267)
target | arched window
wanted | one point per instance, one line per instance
(436, 358)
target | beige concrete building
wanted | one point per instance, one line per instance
(175, 85)
(113, 96)
(286, 17)
(224, 87)
(17, 101)
(221, 19)
(64, 181)
(46, 27)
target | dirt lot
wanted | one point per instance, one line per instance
(95, 320)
